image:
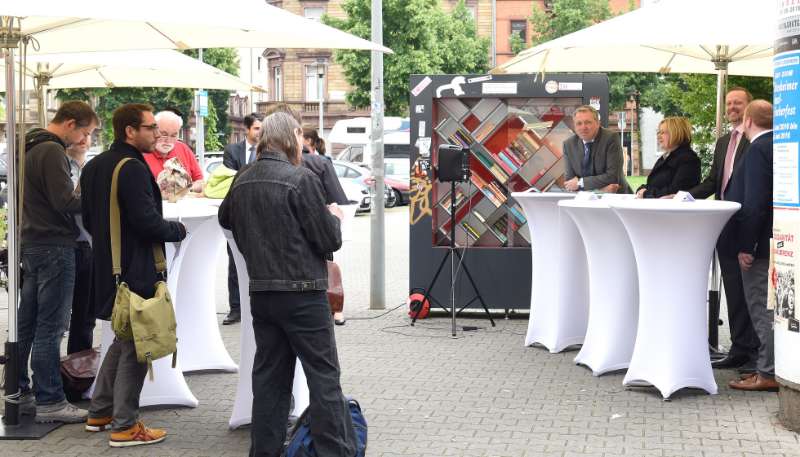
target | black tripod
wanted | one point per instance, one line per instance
(452, 253)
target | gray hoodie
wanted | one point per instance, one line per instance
(49, 203)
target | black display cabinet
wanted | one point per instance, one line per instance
(514, 127)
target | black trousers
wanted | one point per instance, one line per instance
(233, 283)
(744, 340)
(288, 325)
(81, 324)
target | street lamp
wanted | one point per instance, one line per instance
(320, 84)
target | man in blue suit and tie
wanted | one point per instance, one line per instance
(747, 237)
(236, 156)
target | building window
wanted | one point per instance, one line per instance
(312, 83)
(314, 12)
(521, 28)
(472, 12)
(277, 84)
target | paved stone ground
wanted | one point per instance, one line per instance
(482, 394)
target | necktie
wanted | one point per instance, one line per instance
(252, 155)
(727, 169)
(585, 171)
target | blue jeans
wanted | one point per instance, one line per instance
(48, 278)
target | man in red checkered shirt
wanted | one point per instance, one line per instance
(169, 146)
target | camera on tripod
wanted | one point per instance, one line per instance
(453, 163)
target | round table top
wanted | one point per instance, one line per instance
(594, 204)
(673, 206)
(543, 195)
(191, 208)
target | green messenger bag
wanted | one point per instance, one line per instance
(149, 322)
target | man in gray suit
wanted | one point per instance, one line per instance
(593, 156)
(236, 156)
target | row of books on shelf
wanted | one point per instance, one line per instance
(454, 133)
(472, 232)
(491, 190)
(491, 164)
(499, 229)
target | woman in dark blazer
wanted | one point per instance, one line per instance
(678, 168)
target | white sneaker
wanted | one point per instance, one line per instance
(27, 404)
(61, 412)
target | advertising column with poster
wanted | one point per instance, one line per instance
(786, 196)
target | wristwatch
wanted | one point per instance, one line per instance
(580, 184)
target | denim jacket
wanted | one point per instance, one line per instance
(279, 220)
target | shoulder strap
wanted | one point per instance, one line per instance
(116, 233)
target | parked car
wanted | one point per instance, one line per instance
(397, 176)
(357, 193)
(359, 174)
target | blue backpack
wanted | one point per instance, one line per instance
(301, 444)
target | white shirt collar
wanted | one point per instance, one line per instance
(759, 134)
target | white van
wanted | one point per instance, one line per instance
(353, 134)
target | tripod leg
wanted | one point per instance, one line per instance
(474, 286)
(428, 291)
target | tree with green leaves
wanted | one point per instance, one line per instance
(425, 40)
(216, 123)
(567, 16)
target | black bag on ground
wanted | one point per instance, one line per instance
(78, 371)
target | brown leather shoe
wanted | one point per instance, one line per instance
(745, 376)
(755, 383)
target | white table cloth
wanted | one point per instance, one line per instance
(613, 294)
(243, 402)
(192, 281)
(559, 283)
(674, 243)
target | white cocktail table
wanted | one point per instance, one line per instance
(243, 403)
(613, 294)
(192, 281)
(674, 243)
(559, 282)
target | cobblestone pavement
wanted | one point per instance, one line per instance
(482, 394)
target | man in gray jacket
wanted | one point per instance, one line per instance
(593, 156)
(48, 234)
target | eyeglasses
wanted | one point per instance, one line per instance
(168, 136)
(151, 127)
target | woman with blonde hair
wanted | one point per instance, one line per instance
(678, 168)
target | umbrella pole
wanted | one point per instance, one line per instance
(713, 293)
(12, 426)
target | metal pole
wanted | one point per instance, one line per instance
(200, 129)
(722, 82)
(252, 101)
(377, 293)
(320, 86)
(12, 381)
(721, 63)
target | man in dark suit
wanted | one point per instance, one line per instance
(747, 236)
(236, 156)
(593, 156)
(728, 156)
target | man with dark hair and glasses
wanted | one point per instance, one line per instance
(115, 403)
(48, 236)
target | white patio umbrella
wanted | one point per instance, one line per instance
(148, 68)
(54, 26)
(672, 36)
(102, 25)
